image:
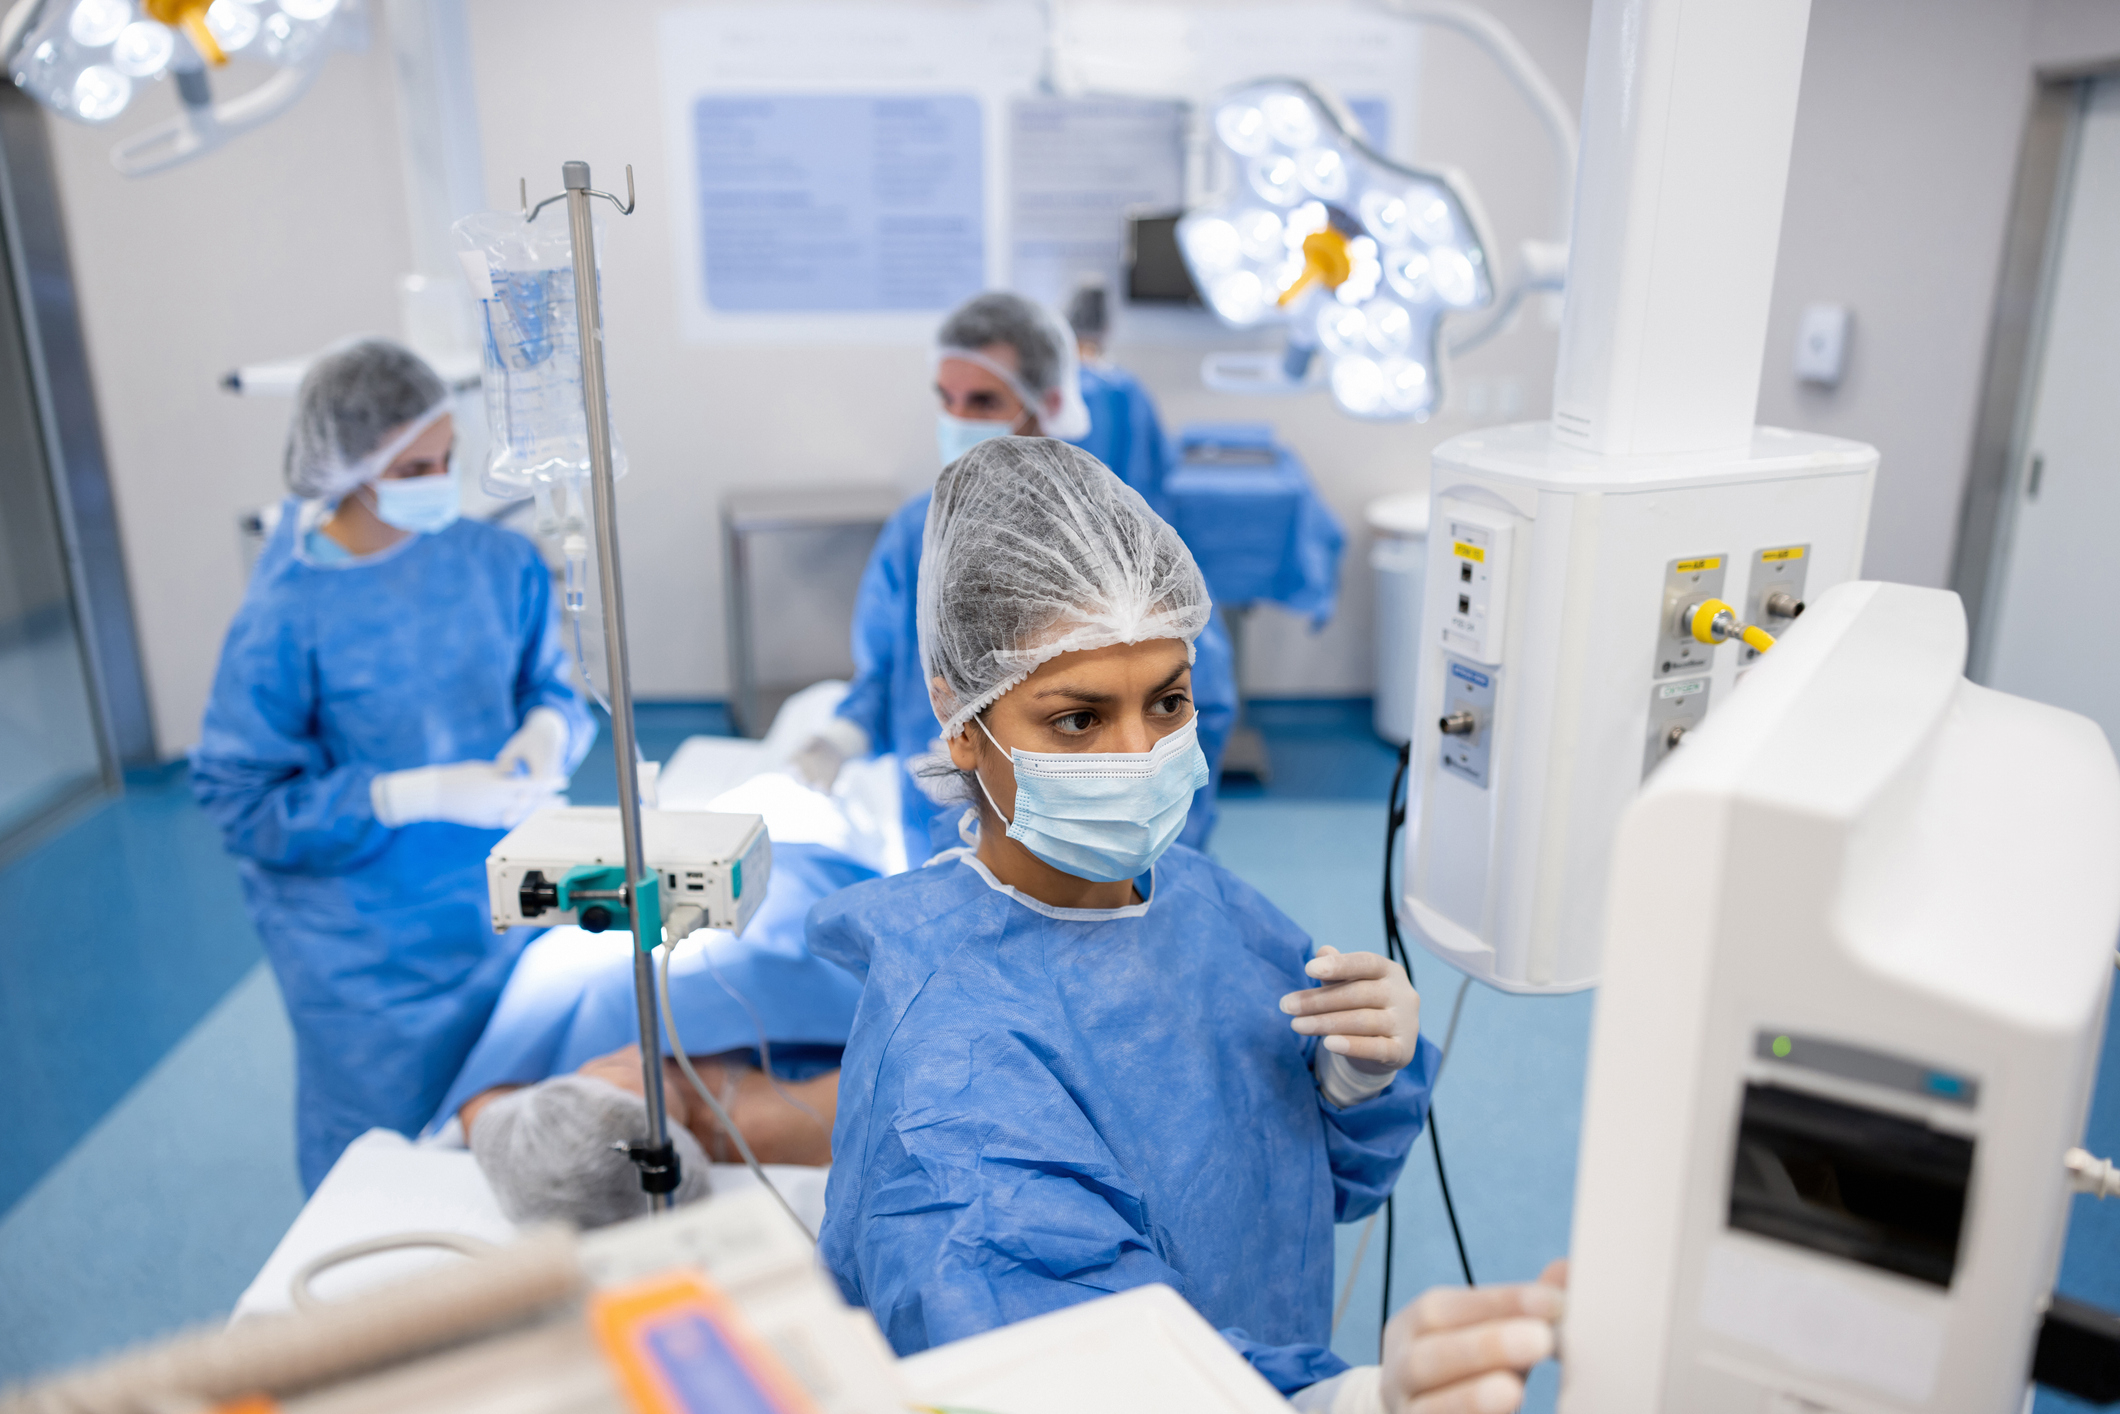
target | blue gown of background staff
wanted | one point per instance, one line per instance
(889, 696)
(1037, 1111)
(430, 652)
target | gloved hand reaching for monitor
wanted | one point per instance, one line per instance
(538, 750)
(481, 794)
(1464, 1350)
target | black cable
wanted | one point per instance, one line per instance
(1395, 948)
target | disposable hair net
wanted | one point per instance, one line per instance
(358, 407)
(547, 1152)
(1045, 351)
(1033, 548)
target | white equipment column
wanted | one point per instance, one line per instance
(1554, 672)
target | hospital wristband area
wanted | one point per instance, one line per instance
(850, 706)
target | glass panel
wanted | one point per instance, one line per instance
(49, 751)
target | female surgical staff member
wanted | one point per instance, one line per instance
(391, 697)
(1084, 1060)
(1005, 366)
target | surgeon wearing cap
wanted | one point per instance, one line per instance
(1004, 366)
(1086, 1057)
(391, 697)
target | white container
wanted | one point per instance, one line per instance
(1398, 554)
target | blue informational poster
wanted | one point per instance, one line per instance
(1374, 114)
(828, 203)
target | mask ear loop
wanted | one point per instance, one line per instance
(1005, 821)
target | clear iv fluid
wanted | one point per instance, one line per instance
(533, 381)
(522, 274)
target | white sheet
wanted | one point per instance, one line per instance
(385, 1184)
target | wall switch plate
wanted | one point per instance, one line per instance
(1822, 344)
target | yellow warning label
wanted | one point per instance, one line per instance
(1696, 566)
(1467, 552)
(1792, 552)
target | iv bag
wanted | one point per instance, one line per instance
(522, 274)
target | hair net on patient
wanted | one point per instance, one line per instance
(547, 1153)
(358, 407)
(1033, 549)
(1045, 355)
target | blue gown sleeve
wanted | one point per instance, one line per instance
(259, 770)
(1367, 1144)
(881, 605)
(543, 678)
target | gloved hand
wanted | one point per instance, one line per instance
(538, 750)
(817, 761)
(476, 793)
(1464, 1350)
(1367, 1011)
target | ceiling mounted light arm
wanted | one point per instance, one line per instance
(1522, 70)
(202, 127)
(88, 59)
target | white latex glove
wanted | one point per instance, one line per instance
(817, 761)
(1366, 1010)
(1464, 1350)
(477, 793)
(538, 750)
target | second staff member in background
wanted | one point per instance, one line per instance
(1005, 366)
(390, 698)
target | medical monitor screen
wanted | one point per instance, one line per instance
(1854, 1183)
(1155, 271)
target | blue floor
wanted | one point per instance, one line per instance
(148, 1165)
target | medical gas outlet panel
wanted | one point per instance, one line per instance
(1560, 663)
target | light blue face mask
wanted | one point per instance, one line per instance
(1104, 815)
(954, 436)
(423, 504)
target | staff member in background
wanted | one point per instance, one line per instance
(1005, 366)
(391, 697)
(1124, 432)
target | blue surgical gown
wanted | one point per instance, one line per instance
(430, 652)
(889, 695)
(1040, 1106)
(1124, 432)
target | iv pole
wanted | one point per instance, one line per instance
(656, 1157)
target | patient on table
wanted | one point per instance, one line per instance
(555, 1080)
(547, 1149)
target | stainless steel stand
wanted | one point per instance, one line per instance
(656, 1158)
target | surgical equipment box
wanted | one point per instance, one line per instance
(718, 863)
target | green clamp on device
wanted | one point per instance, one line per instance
(596, 891)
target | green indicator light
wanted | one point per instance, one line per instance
(1782, 1047)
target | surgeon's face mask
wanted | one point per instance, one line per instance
(1104, 815)
(954, 436)
(423, 504)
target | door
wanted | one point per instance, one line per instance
(2054, 638)
(51, 746)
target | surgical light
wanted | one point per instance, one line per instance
(1358, 256)
(89, 59)
(232, 23)
(95, 23)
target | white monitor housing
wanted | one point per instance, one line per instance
(1858, 958)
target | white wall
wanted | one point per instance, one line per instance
(698, 421)
(294, 235)
(284, 240)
